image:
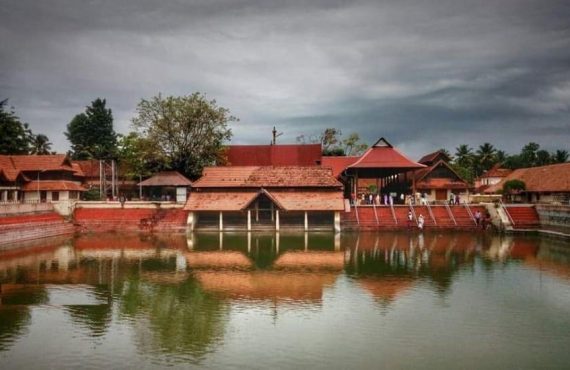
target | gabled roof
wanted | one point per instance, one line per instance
(431, 158)
(266, 177)
(274, 155)
(89, 167)
(53, 162)
(497, 171)
(438, 183)
(56, 185)
(226, 201)
(551, 178)
(337, 164)
(166, 178)
(422, 173)
(383, 155)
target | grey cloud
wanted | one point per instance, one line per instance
(425, 74)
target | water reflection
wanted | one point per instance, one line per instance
(176, 293)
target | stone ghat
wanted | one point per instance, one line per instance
(16, 228)
(130, 219)
(436, 217)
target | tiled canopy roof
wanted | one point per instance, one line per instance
(431, 157)
(384, 155)
(54, 162)
(552, 178)
(266, 177)
(338, 164)
(284, 200)
(497, 171)
(274, 155)
(166, 178)
(53, 186)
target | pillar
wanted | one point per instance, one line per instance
(191, 221)
(249, 220)
(4, 195)
(337, 221)
(221, 221)
(277, 219)
(306, 221)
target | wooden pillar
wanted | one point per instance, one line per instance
(221, 221)
(277, 219)
(249, 220)
(306, 221)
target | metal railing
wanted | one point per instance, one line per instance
(431, 214)
(413, 213)
(470, 213)
(356, 213)
(507, 212)
(393, 214)
(375, 214)
(450, 214)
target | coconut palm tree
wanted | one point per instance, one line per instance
(463, 155)
(40, 145)
(485, 157)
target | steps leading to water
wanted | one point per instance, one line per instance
(524, 217)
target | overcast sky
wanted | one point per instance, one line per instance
(424, 74)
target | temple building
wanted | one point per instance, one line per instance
(265, 198)
(544, 184)
(491, 177)
(39, 178)
(438, 180)
(381, 169)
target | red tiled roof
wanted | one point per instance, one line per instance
(497, 171)
(214, 201)
(53, 186)
(7, 168)
(285, 200)
(266, 177)
(384, 155)
(89, 168)
(422, 173)
(53, 162)
(551, 178)
(166, 178)
(432, 157)
(309, 201)
(274, 155)
(338, 164)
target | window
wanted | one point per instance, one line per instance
(55, 196)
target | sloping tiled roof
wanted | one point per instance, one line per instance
(384, 155)
(53, 162)
(48, 185)
(551, 178)
(310, 200)
(431, 157)
(166, 178)
(497, 171)
(285, 200)
(274, 155)
(218, 201)
(7, 168)
(266, 177)
(89, 167)
(338, 164)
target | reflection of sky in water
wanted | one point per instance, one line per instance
(360, 301)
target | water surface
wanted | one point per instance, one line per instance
(319, 300)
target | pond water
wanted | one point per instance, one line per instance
(317, 300)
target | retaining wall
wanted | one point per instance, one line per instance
(554, 215)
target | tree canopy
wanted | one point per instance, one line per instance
(184, 133)
(91, 134)
(17, 137)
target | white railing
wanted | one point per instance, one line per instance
(375, 214)
(470, 213)
(450, 214)
(393, 214)
(431, 214)
(507, 212)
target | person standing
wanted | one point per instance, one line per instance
(478, 218)
(421, 222)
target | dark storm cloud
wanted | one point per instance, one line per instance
(425, 74)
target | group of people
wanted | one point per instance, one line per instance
(482, 221)
(421, 220)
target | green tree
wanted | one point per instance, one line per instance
(560, 156)
(464, 156)
(139, 156)
(353, 146)
(485, 158)
(91, 134)
(187, 131)
(330, 138)
(41, 145)
(15, 136)
(543, 158)
(528, 156)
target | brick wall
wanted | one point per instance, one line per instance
(130, 219)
